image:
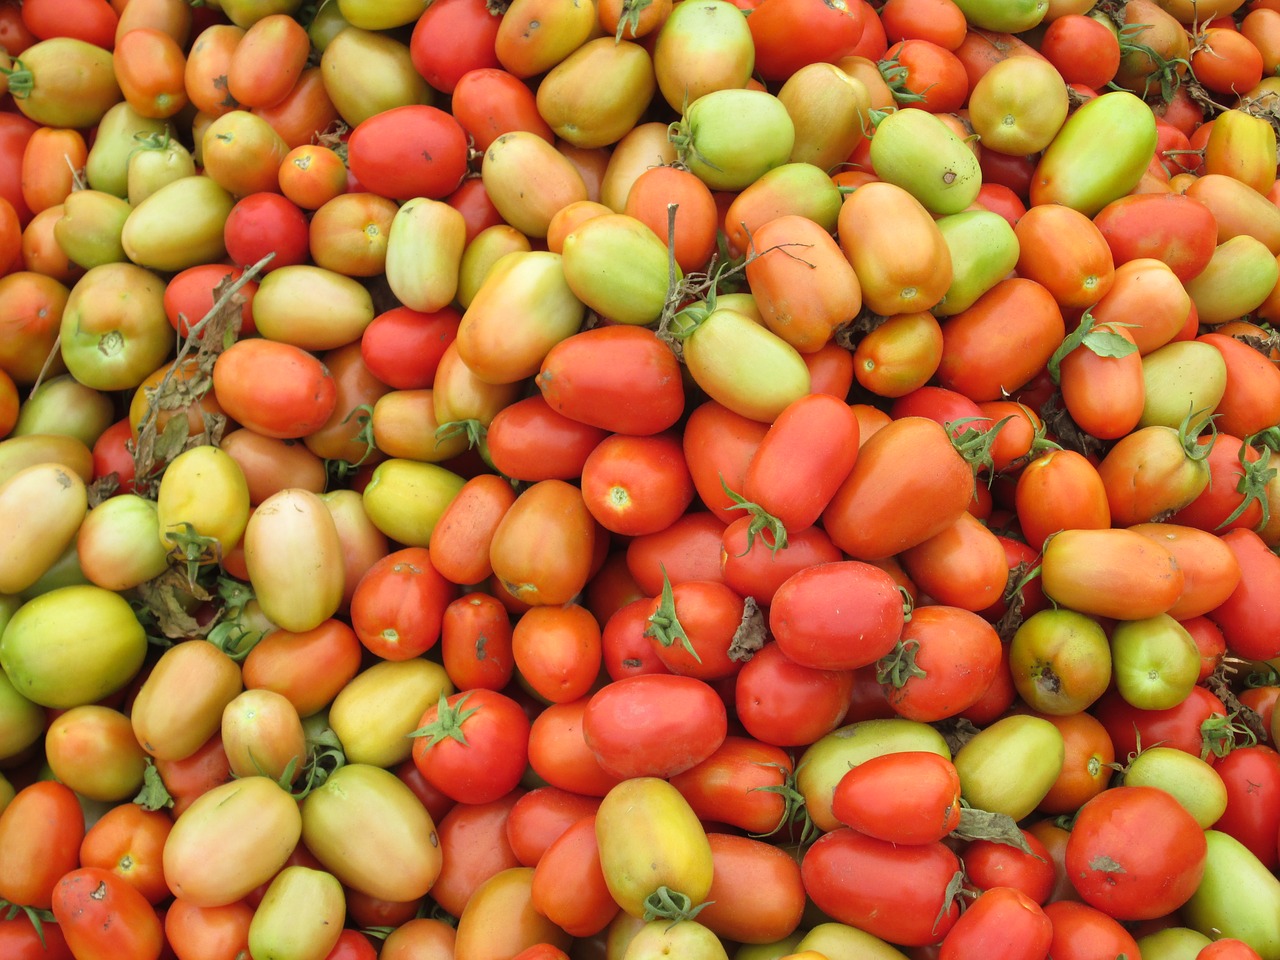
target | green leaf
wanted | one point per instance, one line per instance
(1106, 343)
(154, 795)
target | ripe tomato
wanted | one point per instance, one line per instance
(399, 603)
(568, 882)
(654, 725)
(102, 916)
(756, 893)
(1135, 853)
(473, 746)
(719, 445)
(903, 798)
(989, 863)
(817, 622)
(779, 701)
(409, 151)
(41, 830)
(557, 651)
(946, 659)
(1252, 778)
(1003, 924)
(689, 549)
(475, 835)
(543, 546)
(739, 784)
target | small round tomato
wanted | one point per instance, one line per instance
(473, 746)
(781, 702)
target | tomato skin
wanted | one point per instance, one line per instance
(568, 882)
(102, 916)
(847, 874)
(302, 395)
(959, 653)
(19, 940)
(813, 622)
(963, 566)
(1171, 228)
(1081, 931)
(402, 347)
(1060, 661)
(1105, 395)
(549, 519)
(753, 569)
(779, 701)
(41, 830)
(991, 864)
(530, 441)
(1128, 880)
(756, 893)
(654, 725)
(732, 786)
(1251, 401)
(488, 760)
(398, 604)
(471, 31)
(869, 517)
(902, 798)
(637, 485)
(689, 549)
(1252, 777)
(720, 443)
(1246, 616)
(386, 151)
(557, 650)
(474, 838)
(1137, 579)
(1003, 924)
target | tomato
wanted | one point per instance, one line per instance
(398, 858)
(569, 886)
(779, 701)
(649, 839)
(1080, 931)
(558, 651)
(868, 518)
(475, 642)
(300, 397)
(91, 748)
(1236, 897)
(420, 938)
(530, 441)
(1251, 775)
(1230, 500)
(813, 622)
(1154, 662)
(473, 746)
(843, 874)
(1009, 766)
(1060, 661)
(637, 485)
(474, 837)
(653, 725)
(735, 785)
(408, 151)
(20, 940)
(1135, 853)
(548, 519)
(1002, 922)
(500, 919)
(946, 659)
(1125, 575)
(990, 863)
(374, 714)
(869, 798)
(1251, 401)
(1245, 614)
(1193, 782)
(44, 817)
(102, 916)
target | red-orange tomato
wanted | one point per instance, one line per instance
(908, 797)
(756, 893)
(462, 536)
(530, 441)
(207, 63)
(838, 616)
(754, 566)
(541, 816)
(625, 649)
(475, 642)
(695, 215)
(311, 175)
(1105, 393)
(48, 178)
(188, 297)
(900, 355)
(489, 102)
(806, 454)
(304, 113)
(694, 628)
(784, 703)
(1061, 249)
(557, 651)
(792, 33)
(129, 842)
(737, 785)
(1082, 932)
(687, 550)
(150, 68)
(475, 835)
(568, 882)
(939, 21)
(267, 61)
(955, 655)
(208, 933)
(558, 751)
(1000, 342)
(399, 603)
(990, 863)
(637, 485)
(963, 566)
(275, 388)
(104, 918)
(1002, 924)
(1060, 490)
(543, 546)
(879, 510)
(1251, 401)
(40, 835)
(932, 72)
(308, 668)
(718, 446)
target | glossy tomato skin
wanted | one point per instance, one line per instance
(654, 725)
(1135, 853)
(41, 830)
(958, 653)
(894, 892)
(409, 151)
(568, 881)
(399, 603)
(1003, 924)
(19, 940)
(102, 917)
(907, 798)
(481, 748)
(782, 702)
(1252, 778)
(735, 785)
(815, 619)
(752, 567)
(720, 444)
(1248, 616)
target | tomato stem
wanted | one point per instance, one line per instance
(664, 625)
(448, 722)
(762, 521)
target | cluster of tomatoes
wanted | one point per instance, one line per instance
(781, 479)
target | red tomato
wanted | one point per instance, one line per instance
(475, 642)
(1082, 932)
(1060, 490)
(753, 567)
(409, 151)
(489, 102)
(946, 659)
(1198, 725)
(1082, 49)
(1002, 924)
(557, 651)
(93, 21)
(689, 549)
(40, 834)
(719, 446)
(540, 817)
(568, 882)
(129, 842)
(837, 616)
(934, 74)
(104, 918)
(625, 647)
(1234, 496)
(1252, 778)
(1102, 385)
(559, 754)
(1247, 618)
(530, 441)
(636, 485)
(189, 297)
(844, 873)
(963, 566)
(19, 940)
(757, 895)
(1135, 853)
(544, 546)
(783, 703)
(939, 21)
(742, 784)
(906, 798)
(451, 38)
(263, 223)
(654, 725)
(699, 629)
(402, 347)
(792, 33)
(475, 836)
(473, 746)
(989, 864)
(399, 603)
(620, 378)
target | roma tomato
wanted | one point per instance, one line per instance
(945, 660)
(399, 603)
(102, 916)
(1060, 490)
(654, 725)
(1135, 853)
(782, 702)
(41, 830)
(736, 785)
(1247, 614)
(409, 151)
(543, 546)
(814, 621)
(904, 798)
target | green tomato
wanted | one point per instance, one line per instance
(918, 152)
(1237, 897)
(300, 916)
(1191, 781)
(1009, 766)
(1155, 662)
(730, 138)
(1060, 661)
(114, 328)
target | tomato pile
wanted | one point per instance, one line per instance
(623, 479)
